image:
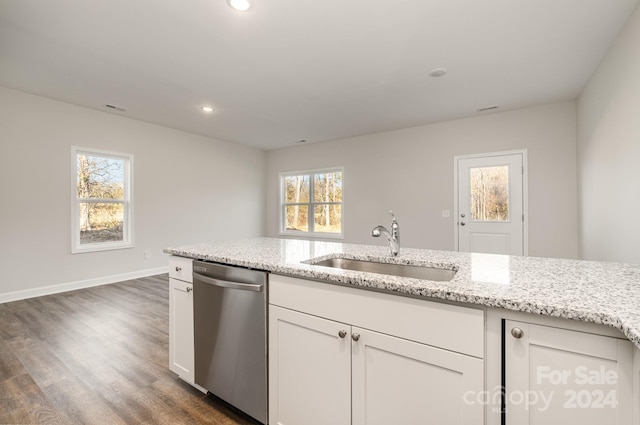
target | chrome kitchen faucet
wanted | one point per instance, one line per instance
(393, 236)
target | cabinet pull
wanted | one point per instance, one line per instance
(342, 334)
(517, 333)
(355, 337)
(178, 268)
(189, 289)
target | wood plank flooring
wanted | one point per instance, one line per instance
(98, 356)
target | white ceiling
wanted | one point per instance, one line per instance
(304, 69)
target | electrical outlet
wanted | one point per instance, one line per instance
(147, 255)
(446, 214)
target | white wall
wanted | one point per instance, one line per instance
(609, 153)
(411, 172)
(187, 189)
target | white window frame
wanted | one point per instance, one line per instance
(127, 242)
(311, 204)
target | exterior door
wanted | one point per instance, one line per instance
(490, 203)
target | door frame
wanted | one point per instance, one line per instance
(525, 194)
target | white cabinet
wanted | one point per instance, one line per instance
(561, 376)
(181, 356)
(356, 370)
(636, 386)
(309, 370)
(396, 381)
(181, 338)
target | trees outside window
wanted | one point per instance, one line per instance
(312, 203)
(101, 195)
(490, 193)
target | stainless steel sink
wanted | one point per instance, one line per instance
(402, 270)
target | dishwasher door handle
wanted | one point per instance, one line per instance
(228, 284)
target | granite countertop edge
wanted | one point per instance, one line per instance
(568, 289)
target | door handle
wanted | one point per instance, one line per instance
(227, 284)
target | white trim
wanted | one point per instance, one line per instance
(307, 235)
(80, 284)
(525, 193)
(76, 247)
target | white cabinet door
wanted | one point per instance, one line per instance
(309, 369)
(557, 376)
(181, 353)
(396, 381)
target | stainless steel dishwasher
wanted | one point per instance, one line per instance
(230, 318)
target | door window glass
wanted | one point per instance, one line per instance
(490, 193)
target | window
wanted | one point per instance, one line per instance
(312, 203)
(489, 193)
(101, 200)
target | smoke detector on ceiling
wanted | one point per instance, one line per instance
(437, 72)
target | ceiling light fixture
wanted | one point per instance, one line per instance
(240, 5)
(207, 109)
(437, 72)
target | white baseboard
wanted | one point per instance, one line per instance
(80, 284)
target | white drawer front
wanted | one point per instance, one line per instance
(452, 327)
(181, 268)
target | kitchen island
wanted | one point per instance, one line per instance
(590, 291)
(501, 323)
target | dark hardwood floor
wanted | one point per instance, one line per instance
(98, 356)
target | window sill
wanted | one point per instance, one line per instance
(315, 235)
(100, 247)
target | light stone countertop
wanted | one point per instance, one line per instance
(590, 291)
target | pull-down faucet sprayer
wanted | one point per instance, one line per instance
(392, 236)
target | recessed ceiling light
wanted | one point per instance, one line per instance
(437, 72)
(207, 109)
(240, 5)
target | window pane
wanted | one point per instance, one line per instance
(490, 193)
(101, 222)
(327, 187)
(100, 177)
(296, 189)
(327, 218)
(297, 218)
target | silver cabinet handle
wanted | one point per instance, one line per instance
(355, 337)
(189, 289)
(178, 268)
(342, 334)
(517, 333)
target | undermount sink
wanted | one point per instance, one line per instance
(401, 270)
